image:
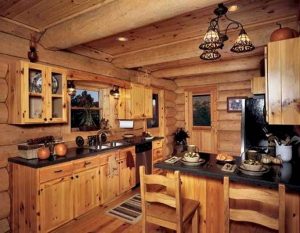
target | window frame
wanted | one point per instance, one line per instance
(158, 112)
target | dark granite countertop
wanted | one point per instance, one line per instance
(78, 153)
(287, 173)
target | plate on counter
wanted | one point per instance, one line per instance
(201, 161)
(264, 170)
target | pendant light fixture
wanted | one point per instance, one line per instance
(214, 39)
(71, 89)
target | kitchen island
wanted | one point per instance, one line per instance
(205, 184)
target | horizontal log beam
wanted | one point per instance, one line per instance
(215, 79)
(115, 17)
(84, 76)
(18, 47)
(248, 63)
(188, 48)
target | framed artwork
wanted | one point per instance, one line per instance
(234, 104)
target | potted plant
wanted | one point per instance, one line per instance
(86, 102)
(180, 137)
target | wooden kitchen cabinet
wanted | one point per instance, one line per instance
(56, 203)
(37, 94)
(157, 155)
(47, 197)
(109, 183)
(127, 175)
(135, 102)
(86, 185)
(283, 82)
(258, 85)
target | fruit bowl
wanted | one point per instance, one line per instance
(191, 157)
(252, 165)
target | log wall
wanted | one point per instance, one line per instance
(11, 135)
(228, 123)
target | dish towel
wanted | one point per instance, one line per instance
(129, 160)
(112, 166)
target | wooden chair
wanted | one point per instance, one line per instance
(164, 209)
(269, 197)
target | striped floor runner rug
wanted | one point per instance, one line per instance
(129, 211)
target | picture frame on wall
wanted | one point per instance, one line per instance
(234, 104)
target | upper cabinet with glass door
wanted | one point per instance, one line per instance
(37, 94)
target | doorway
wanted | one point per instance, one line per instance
(201, 117)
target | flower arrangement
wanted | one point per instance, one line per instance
(180, 136)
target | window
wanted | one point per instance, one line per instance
(201, 110)
(86, 110)
(154, 122)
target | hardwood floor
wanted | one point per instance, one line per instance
(96, 221)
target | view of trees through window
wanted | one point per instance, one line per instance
(85, 110)
(201, 110)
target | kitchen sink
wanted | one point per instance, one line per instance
(100, 147)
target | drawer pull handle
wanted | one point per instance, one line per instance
(58, 171)
(87, 163)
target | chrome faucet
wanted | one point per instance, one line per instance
(101, 137)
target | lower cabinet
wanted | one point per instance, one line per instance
(45, 198)
(157, 155)
(86, 191)
(56, 202)
(109, 184)
(118, 179)
(127, 175)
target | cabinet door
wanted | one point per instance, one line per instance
(283, 82)
(127, 176)
(157, 155)
(109, 182)
(86, 191)
(33, 93)
(56, 203)
(148, 103)
(137, 101)
(56, 99)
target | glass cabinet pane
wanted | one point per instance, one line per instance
(57, 107)
(56, 83)
(35, 107)
(35, 81)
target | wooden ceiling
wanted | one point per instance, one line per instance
(167, 45)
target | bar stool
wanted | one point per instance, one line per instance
(165, 209)
(268, 197)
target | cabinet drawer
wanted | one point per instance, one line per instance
(123, 152)
(56, 171)
(87, 163)
(157, 154)
(157, 144)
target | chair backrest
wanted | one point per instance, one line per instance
(163, 198)
(274, 199)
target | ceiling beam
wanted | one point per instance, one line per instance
(90, 52)
(115, 17)
(18, 47)
(246, 63)
(188, 48)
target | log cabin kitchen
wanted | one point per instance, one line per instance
(150, 116)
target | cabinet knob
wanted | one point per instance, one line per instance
(45, 119)
(50, 119)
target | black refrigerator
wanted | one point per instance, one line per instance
(254, 126)
(255, 129)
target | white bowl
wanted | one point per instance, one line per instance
(187, 157)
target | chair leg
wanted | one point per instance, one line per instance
(195, 222)
(144, 224)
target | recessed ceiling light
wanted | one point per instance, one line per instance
(121, 38)
(233, 8)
